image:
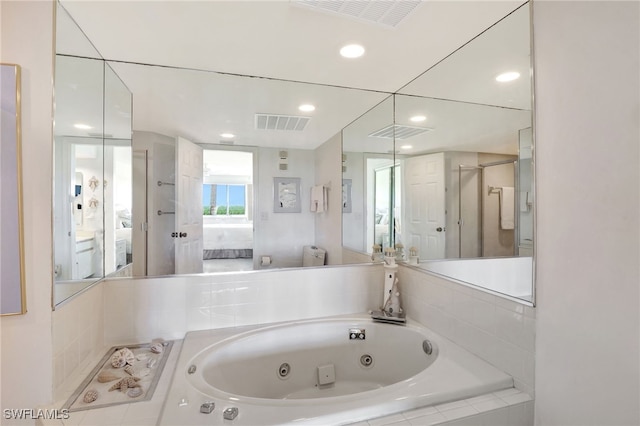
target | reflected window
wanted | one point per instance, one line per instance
(224, 200)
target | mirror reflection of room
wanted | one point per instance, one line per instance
(382, 146)
(462, 140)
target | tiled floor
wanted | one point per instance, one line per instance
(227, 265)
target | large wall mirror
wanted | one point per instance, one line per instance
(463, 176)
(92, 165)
(228, 172)
(260, 137)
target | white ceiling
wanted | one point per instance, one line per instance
(283, 40)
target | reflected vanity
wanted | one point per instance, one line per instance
(92, 158)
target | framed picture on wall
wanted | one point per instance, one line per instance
(12, 285)
(286, 195)
(346, 195)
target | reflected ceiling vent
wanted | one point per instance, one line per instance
(399, 132)
(281, 122)
(388, 13)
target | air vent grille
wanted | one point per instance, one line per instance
(388, 13)
(281, 122)
(399, 132)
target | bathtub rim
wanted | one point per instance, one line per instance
(182, 401)
(353, 320)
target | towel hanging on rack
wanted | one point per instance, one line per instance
(318, 199)
(507, 214)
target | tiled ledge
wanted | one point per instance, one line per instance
(509, 407)
(135, 414)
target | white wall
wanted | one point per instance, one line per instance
(26, 346)
(283, 235)
(588, 186)
(328, 225)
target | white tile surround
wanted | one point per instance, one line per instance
(498, 330)
(509, 407)
(78, 336)
(126, 311)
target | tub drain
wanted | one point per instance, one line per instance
(366, 360)
(284, 370)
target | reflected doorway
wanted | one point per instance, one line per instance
(227, 209)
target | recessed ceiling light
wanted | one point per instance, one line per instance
(418, 118)
(406, 147)
(508, 76)
(307, 108)
(227, 135)
(82, 126)
(352, 51)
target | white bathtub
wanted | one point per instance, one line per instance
(239, 367)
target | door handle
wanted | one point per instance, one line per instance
(183, 235)
(440, 229)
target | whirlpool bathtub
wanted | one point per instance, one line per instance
(327, 371)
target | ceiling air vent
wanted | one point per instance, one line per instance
(388, 13)
(399, 132)
(281, 122)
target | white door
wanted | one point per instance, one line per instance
(425, 205)
(188, 237)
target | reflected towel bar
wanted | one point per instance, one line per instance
(160, 212)
(160, 183)
(495, 189)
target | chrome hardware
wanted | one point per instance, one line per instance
(440, 229)
(230, 413)
(207, 407)
(357, 334)
(160, 183)
(160, 212)
(427, 347)
(182, 235)
(192, 369)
